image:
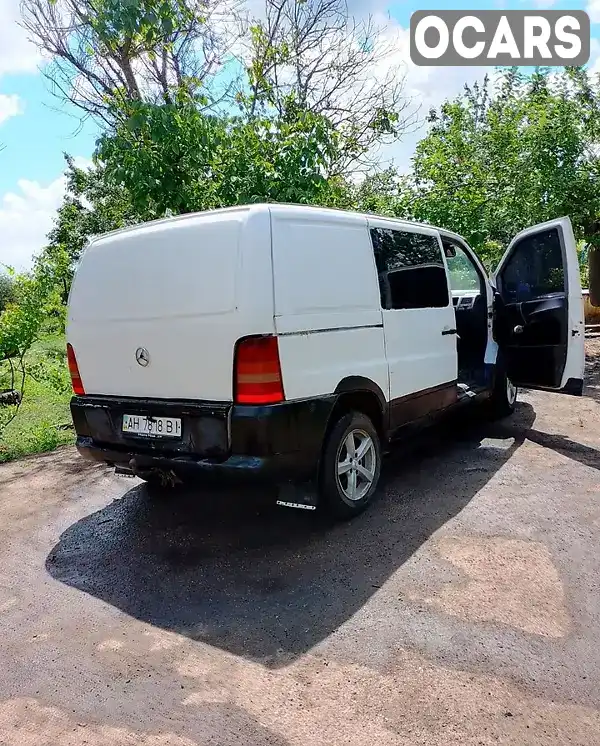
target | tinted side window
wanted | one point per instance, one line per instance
(411, 270)
(535, 268)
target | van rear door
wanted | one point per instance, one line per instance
(155, 310)
(540, 324)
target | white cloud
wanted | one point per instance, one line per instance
(594, 63)
(26, 217)
(425, 87)
(10, 106)
(17, 54)
(83, 163)
(593, 10)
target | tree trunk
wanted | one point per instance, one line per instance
(132, 86)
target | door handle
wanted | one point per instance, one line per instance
(518, 329)
(446, 332)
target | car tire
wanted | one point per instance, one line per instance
(350, 466)
(504, 396)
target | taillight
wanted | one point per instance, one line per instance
(257, 372)
(74, 371)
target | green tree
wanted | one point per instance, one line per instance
(175, 158)
(314, 55)
(383, 193)
(20, 323)
(310, 110)
(105, 50)
(7, 290)
(495, 162)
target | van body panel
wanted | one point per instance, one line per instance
(322, 267)
(181, 291)
(420, 343)
(419, 356)
(327, 308)
(314, 364)
(324, 321)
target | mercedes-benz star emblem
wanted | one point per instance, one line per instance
(142, 356)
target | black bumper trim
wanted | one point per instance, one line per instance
(205, 425)
(276, 468)
(280, 442)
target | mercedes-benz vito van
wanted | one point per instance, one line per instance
(292, 343)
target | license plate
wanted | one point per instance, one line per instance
(155, 427)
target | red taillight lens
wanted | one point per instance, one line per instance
(74, 371)
(257, 372)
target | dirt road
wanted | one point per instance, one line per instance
(464, 608)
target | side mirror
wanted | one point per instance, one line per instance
(449, 251)
(594, 275)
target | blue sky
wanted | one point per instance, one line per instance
(36, 128)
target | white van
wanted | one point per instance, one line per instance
(293, 343)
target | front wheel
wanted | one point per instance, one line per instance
(504, 396)
(350, 466)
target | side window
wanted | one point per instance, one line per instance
(411, 270)
(463, 275)
(535, 268)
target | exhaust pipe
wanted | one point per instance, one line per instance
(166, 478)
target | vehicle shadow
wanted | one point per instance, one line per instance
(268, 584)
(567, 447)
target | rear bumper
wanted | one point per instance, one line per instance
(276, 443)
(276, 468)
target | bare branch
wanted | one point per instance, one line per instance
(317, 56)
(90, 66)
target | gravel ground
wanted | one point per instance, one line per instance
(463, 608)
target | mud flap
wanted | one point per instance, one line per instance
(302, 496)
(121, 471)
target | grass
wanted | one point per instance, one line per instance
(43, 420)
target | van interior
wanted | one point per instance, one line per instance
(468, 286)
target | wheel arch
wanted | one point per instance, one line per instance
(363, 395)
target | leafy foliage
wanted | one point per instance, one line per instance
(314, 56)
(20, 323)
(22, 318)
(383, 193)
(174, 159)
(43, 420)
(495, 160)
(7, 291)
(492, 165)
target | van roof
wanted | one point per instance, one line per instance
(280, 207)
